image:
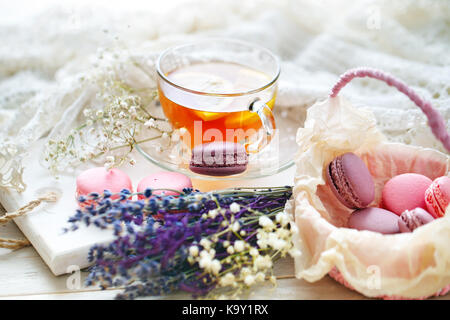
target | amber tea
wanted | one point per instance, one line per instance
(214, 105)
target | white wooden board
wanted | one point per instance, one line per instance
(43, 227)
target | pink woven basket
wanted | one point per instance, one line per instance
(332, 127)
(435, 121)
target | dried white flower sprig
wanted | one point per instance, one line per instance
(120, 116)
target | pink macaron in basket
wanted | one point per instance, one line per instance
(345, 227)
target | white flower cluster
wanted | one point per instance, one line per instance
(118, 118)
(277, 238)
(246, 263)
(205, 258)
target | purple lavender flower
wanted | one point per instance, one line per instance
(149, 255)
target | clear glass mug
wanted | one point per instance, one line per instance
(220, 90)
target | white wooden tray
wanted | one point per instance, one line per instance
(64, 253)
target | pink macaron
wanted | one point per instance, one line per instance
(100, 179)
(174, 181)
(374, 219)
(350, 181)
(437, 196)
(405, 192)
(413, 219)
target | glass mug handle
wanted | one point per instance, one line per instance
(265, 135)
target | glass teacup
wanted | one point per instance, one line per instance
(219, 90)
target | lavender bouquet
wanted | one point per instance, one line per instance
(212, 245)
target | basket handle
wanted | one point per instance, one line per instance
(435, 119)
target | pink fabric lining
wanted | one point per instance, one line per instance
(336, 275)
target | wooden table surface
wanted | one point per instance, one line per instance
(23, 275)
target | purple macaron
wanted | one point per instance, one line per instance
(412, 219)
(350, 181)
(374, 219)
(219, 159)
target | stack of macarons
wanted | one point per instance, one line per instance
(99, 179)
(409, 200)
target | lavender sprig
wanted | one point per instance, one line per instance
(194, 242)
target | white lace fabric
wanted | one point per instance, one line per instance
(43, 58)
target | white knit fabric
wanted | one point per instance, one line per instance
(43, 56)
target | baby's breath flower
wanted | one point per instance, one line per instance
(193, 251)
(254, 252)
(151, 123)
(234, 207)
(227, 280)
(283, 233)
(87, 112)
(239, 246)
(283, 218)
(133, 111)
(205, 243)
(266, 223)
(215, 266)
(260, 277)
(117, 119)
(249, 280)
(262, 243)
(213, 213)
(205, 262)
(235, 226)
(262, 262)
(279, 244)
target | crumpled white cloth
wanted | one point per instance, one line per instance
(43, 55)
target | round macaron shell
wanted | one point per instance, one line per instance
(413, 219)
(405, 192)
(164, 180)
(100, 179)
(374, 219)
(351, 181)
(437, 196)
(359, 178)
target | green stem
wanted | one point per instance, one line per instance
(126, 145)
